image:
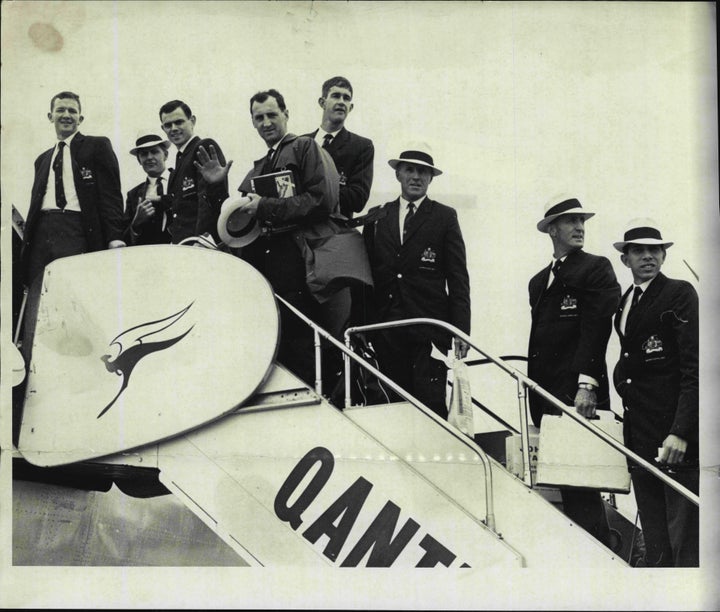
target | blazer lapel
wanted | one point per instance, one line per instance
(185, 159)
(636, 314)
(75, 146)
(621, 308)
(340, 140)
(393, 220)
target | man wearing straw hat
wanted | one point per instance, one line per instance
(146, 216)
(657, 378)
(417, 255)
(572, 303)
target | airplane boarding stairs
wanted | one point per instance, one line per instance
(288, 479)
(283, 476)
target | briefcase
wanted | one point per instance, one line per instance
(571, 456)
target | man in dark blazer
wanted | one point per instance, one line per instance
(147, 221)
(572, 302)
(657, 379)
(288, 221)
(193, 205)
(419, 270)
(76, 205)
(353, 154)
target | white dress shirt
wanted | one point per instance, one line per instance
(404, 211)
(71, 196)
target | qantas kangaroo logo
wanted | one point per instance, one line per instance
(133, 347)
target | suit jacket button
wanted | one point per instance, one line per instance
(626, 355)
(628, 381)
(399, 275)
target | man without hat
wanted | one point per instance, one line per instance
(657, 379)
(194, 204)
(287, 220)
(353, 156)
(572, 303)
(417, 255)
(146, 216)
(76, 204)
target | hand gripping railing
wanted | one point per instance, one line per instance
(349, 354)
(523, 383)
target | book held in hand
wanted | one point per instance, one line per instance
(274, 185)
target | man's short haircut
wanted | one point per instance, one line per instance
(169, 107)
(336, 81)
(261, 96)
(63, 95)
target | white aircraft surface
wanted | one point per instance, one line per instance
(166, 381)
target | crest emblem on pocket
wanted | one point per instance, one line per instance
(86, 174)
(187, 183)
(568, 303)
(428, 256)
(652, 345)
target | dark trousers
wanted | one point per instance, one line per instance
(278, 259)
(334, 317)
(56, 234)
(404, 356)
(586, 508)
(670, 522)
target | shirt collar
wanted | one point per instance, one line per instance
(165, 176)
(68, 140)
(182, 149)
(644, 285)
(404, 202)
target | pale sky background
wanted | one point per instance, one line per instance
(615, 103)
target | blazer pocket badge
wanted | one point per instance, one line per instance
(568, 303)
(343, 178)
(428, 256)
(86, 174)
(652, 345)
(188, 183)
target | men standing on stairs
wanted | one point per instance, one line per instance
(657, 377)
(572, 302)
(417, 255)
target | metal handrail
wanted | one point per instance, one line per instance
(525, 383)
(349, 353)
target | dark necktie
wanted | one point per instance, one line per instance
(553, 276)
(408, 217)
(159, 188)
(178, 157)
(636, 297)
(328, 139)
(268, 165)
(60, 200)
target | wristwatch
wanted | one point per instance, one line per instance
(586, 386)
